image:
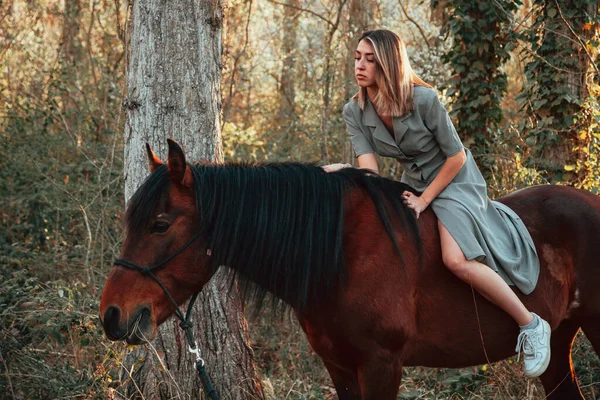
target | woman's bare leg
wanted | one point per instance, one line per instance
(534, 339)
(485, 280)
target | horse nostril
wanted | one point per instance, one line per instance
(146, 313)
(112, 317)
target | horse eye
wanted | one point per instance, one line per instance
(160, 227)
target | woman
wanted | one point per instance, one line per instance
(396, 114)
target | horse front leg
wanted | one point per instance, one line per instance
(380, 378)
(345, 382)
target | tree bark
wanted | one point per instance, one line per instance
(289, 49)
(328, 78)
(173, 86)
(286, 118)
(236, 44)
(562, 63)
(71, 51)
(362, 15)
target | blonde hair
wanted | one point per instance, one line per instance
(394, 76)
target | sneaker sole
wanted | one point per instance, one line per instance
(544, 366)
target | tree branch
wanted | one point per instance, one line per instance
(236, 59)
(583, 46)
(303, 10)
(408, 17)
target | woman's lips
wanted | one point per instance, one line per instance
(360, 76)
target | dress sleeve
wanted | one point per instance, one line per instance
(359, 142)
(438, 122)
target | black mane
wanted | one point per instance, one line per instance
(278, 226)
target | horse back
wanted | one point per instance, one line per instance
(413, 307)
(564, 223)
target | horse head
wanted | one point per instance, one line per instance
(161, 224)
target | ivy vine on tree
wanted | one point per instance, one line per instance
(482, 42)
(560, 95)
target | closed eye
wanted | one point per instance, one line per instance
(357, 59)
(160, 227)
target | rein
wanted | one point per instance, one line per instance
(185, 323)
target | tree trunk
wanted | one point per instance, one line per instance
(236, 43)
(328, 81)
(286, 118)
(71, 51)
(173, 86)
(289, 49)
(362, 15)
(558, 82)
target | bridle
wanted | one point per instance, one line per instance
(185, 323)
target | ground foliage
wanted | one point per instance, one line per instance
(61, 87)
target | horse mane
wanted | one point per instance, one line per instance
(278, 226)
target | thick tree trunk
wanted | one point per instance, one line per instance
(173, 86)
(567, 69)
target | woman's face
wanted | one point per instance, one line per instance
(365, 64)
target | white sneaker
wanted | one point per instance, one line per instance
(535, 343)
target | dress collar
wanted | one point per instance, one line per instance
(379, 130)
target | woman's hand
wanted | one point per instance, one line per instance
(335, 167)
(418, 204)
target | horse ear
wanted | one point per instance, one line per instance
(176, 163)
(152, 159)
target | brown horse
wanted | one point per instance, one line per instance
(364, 277)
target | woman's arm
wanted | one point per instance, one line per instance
(369, 161)
(449, 170)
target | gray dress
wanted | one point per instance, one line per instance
(485, 230)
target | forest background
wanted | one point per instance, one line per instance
(520, 78)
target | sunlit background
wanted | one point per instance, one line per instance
(520, 78)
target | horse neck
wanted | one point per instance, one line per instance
(364, 232)
(279, 229)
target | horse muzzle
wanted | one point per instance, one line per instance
(137, 329)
